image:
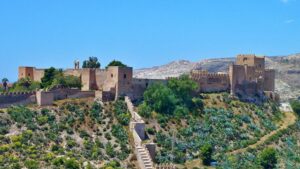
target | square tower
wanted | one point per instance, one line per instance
(118, 80)
(252, 60)
(25, 72)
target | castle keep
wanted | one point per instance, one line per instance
(247, 76)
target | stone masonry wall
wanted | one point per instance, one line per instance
(16, 98)
(210, 82)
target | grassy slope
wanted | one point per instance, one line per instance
(228, 124)
(73, 133)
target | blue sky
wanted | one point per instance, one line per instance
(142, 33)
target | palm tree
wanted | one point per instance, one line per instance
(4, 82)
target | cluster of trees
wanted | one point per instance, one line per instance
(93, 62)
(55, 77)
(176, 98)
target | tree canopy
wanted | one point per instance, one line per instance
(55, 77)
(183, 87)
(4, 80)
(92, 62)
(116, 63)
(48, 77)
(25, 84)
(174, 98)
(160, 98)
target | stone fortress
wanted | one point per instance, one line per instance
(247, 77)
(108, 83)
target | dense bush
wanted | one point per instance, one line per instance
(25, 84)
(206, 153)
(121, 111)
(296, 106)
(160, 98)
(55, 77)
(268, 158)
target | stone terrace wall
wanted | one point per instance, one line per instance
(16, 98)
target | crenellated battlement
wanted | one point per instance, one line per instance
(199, 74)
(17, 93)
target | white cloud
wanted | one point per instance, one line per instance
(289, 21)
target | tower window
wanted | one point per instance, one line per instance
(125, 76)
(28, 74)
(111, 75)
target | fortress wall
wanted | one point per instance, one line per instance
(111, 80)
(38, 74)
(211, 82)
(101, 75)
(16, 98)
(269, 80)
(73, 72)
(88, 79)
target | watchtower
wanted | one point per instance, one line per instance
(252, 60)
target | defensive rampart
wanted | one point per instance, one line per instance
(16, 98)
(211, 82)
(41, 97)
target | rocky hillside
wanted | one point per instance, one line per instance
(287, 74)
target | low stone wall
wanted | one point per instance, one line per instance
(16, 98)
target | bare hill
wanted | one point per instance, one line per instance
(287, 71)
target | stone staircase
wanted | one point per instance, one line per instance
(144, 156)
(137, 128)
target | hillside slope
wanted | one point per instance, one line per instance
(287, 71)
(71, 134)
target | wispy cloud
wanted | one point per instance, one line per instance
(289, 21)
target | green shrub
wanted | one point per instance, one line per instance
(268, 158)
(296, 106)
(206, 153)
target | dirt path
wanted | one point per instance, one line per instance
(289, 119)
